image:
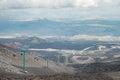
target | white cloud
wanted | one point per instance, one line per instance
(64, 51)
(74, 9)
(2, 36)
(86, 3)
(50, 3)
(99, 25)
(108, 1)
(99, 38)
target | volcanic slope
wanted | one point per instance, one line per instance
(11, 62)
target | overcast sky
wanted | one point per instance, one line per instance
(59, 9)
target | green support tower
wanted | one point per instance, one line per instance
(24, 59)
(47, 61)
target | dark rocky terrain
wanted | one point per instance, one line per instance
(98, 67)
(11, 68)
(80, 76)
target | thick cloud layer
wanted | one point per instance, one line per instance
(50, 3)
